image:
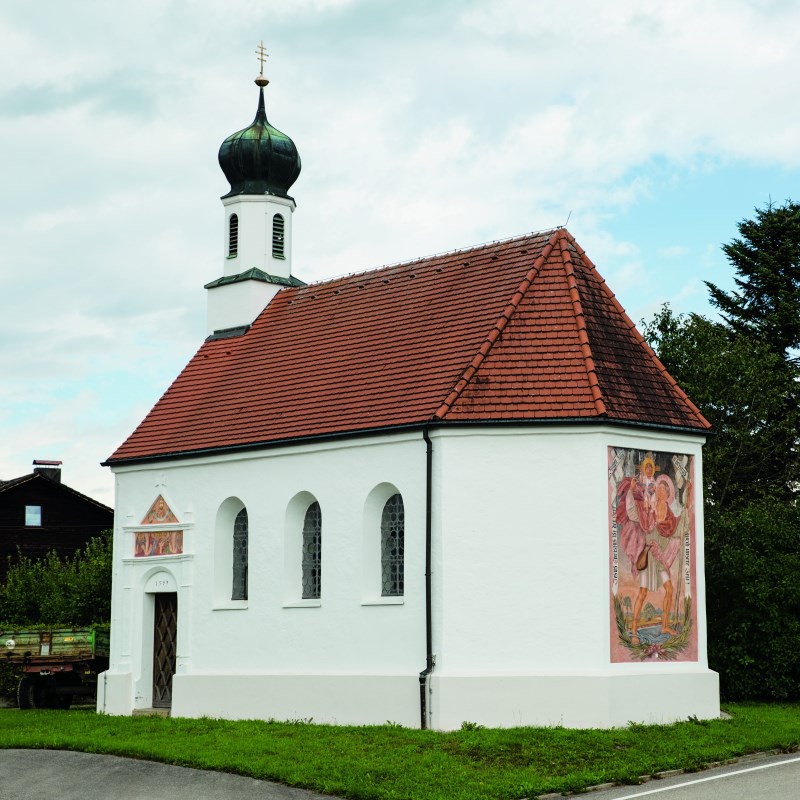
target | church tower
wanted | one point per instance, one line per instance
(261, 163)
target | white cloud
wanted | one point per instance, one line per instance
(422, 127)
(673, 251)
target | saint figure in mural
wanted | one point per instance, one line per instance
(652, 522)
(651, 555)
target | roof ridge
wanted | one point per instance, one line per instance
(497, 329)
(409, 262)
(14, 482)
(638, 336)
(580, 326)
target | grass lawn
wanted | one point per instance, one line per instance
(393, 762)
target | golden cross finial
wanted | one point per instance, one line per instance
(262, 55)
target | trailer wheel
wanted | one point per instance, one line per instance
(40, 696)
(24, 692)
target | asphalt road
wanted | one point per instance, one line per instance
(770, 778)
(62, 775)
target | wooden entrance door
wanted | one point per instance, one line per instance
(165, 634)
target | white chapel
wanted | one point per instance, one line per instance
(461, 488)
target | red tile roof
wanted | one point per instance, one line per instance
(521, 330)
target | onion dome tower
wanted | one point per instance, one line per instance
(259, 159)
(261, 163)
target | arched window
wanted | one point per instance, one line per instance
(277, 236)
(312, 553)
(392, 547)
(239, 584)
(233, 236)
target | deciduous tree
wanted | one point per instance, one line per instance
(51, 591)
(749, 394)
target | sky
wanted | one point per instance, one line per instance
(649, 128)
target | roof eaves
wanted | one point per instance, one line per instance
(10, 484)
(496, 331)
(228, 333)
(391, 429)
(642, 341)
(262, 444)
(580, 324)
(613, 422)
(255, 274)
(85, 497)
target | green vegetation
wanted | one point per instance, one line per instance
(392, 762)
(56, 592)
(748, 393)
(743, 372)
(753, 599)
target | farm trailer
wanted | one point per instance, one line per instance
(56, 664)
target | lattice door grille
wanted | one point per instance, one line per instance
(164, 638)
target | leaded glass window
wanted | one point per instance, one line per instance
(239, 586)
(392, 547)
(312, 553)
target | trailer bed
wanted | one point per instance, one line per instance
(56, 663)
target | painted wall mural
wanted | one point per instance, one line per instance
(652, 556)
(159, 512)
(158, 543)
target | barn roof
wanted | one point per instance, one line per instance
(519, 331)
(13, 483)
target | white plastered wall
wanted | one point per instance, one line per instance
(521, 589)
(255, 214)
(351, 657)
(235, 304)
(232, 305)
(521, 618)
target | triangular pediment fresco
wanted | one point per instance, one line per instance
(159, 514)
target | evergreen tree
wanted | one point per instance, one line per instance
(751, 397)
(767, 261)
(743, 376)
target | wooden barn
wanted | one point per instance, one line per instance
(38, 513)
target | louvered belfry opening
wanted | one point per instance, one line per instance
(277, 236)
(165, 636)
(233, 235)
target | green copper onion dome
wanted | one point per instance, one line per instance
(259, 159)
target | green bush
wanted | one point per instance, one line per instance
(73, 592)
(753, 597)
(9, 678)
